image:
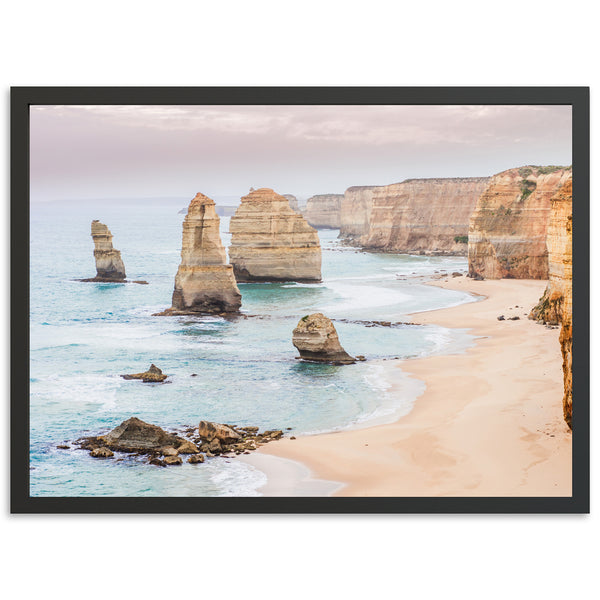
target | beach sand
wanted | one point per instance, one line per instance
(488, 424)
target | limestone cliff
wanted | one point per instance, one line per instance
(507, 230)
(323, 211)
(427, 216)
(293, 202)
(109, 264)
(355, 213)
(271, 242)
(204, 282)
(556, 305)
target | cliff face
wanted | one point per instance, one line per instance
(293, 202)
(423, 215)
(270, 242)
(204, 282)
(323, 211)
(507, 231)
(109, 265)
(355, 213)
(556, 305)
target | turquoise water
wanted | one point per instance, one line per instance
(83, 335)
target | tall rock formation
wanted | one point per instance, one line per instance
(317, 340)
(323, 211)
(355, 213)
(507, 231)
(204, 282)
(427, 216)
(556, 305)
(109, 264)
(270, 242)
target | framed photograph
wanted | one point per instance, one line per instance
(300, 300)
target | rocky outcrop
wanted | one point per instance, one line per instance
(293, 202)
(163, 449)
(317, 340)
(355, 213)
(109, 264)
(204, 282)
(323, 211)
(556, 305)
(135, 435)
(507, 231)
(152, 375)
(270, 242)
(424, 216)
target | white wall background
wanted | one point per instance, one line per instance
(306, 43)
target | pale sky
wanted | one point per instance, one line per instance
(90, 152)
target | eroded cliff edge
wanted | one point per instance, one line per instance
(323, 211)
(425, 216)
(508, 228)
(204, 282)
(270, 242)
(556, 305)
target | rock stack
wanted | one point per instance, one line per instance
(270, 242)
(556, 305)
(317, 340)
(109, 264)
(204, 282)
(508, 228)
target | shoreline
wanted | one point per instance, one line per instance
(489, 422)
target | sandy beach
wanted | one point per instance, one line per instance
(488, 424)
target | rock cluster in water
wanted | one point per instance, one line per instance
(152, 375)
(109, 264)
(270, 242)
(162, 449)
(204, 282)
(317, 340)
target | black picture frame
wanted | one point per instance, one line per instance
(23, 97)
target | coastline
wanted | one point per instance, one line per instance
(489, 422)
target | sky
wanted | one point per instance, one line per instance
(112, 152)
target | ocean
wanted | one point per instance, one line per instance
(242, 371)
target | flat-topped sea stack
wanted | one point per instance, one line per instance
(317, 340)
(508, 228)
(109, 264)
(323, 211)
(556, 305)
(204, 282)
(423, 216)
(272, 243)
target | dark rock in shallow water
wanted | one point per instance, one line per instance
(152, 375)
(209, 431)
(173, 460)
(134, 435)
(101, 453)
(195, 459)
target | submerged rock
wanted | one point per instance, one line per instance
(204, 282)
(316, 339)
(152, 375)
